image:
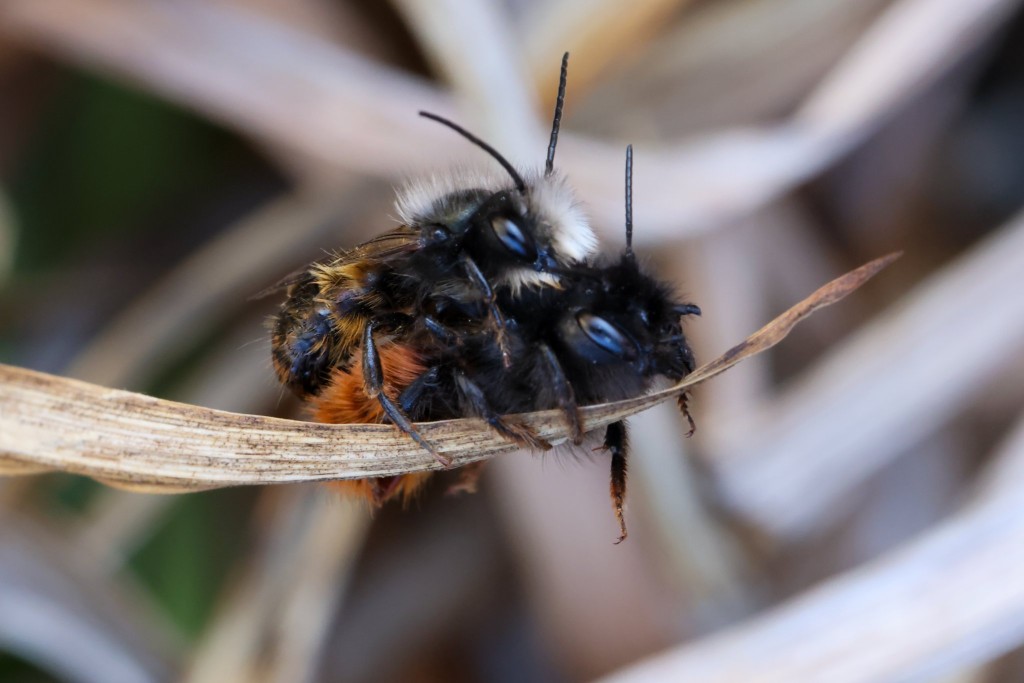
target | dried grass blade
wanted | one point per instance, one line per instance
(144, 443)
(777, 330)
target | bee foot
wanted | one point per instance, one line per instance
(622, 526)
(524, 437)
(684, 406)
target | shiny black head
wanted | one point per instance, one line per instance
(621, 317)
(518, 234)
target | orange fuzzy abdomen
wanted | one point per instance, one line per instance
(344, 401)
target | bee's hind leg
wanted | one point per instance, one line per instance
(373, 379)
(520, 435)
(684, 406)
(616, 442)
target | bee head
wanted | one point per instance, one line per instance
(623, 315)
(519, 235)
(528, 238)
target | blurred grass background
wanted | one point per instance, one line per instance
(160, 162)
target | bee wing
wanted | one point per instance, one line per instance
(281, 285)
(401, 240)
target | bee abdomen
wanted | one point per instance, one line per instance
(343, 400)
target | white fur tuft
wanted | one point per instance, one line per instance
(560, 219)
(418, 199)
(552, 199)
(527, 277)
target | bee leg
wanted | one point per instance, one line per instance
(517, 434)
(684, 406)
(441, 332)
(563, 394)
(412, 395)
(301, 359)
(616, 441)
(497, 318)
(469, 477)
(373, 378)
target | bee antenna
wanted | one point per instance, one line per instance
(549, 165)
(629, 202)
(516, 178)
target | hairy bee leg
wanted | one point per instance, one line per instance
(497, 318)
(451, 337)
(564, 394)
(301, 338)
(413, 393)
(616, 441)
(518, 434)
(469, 477)
(373, 376)
(441, 332)
(684, 406)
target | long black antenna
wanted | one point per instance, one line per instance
(549, 165)
(520, 185)
(629, 201)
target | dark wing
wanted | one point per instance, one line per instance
(402, 240)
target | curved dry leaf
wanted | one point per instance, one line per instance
(144, 443)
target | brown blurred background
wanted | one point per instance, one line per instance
(852, 505)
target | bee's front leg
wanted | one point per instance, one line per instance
(564, 394)
(477, 402)
(497, 317)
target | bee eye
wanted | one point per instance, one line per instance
(606, 335)
(513, 238)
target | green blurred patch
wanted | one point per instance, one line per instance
(69, 493)
(15, 670)
(187, 559)
(102, 157)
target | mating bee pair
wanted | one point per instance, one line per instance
(484, 303)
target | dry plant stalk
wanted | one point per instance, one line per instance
(149, 444)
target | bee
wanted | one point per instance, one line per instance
(464, 239)
(605, 335)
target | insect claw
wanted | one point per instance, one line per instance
(445, 461)
(684, 406)
(520, 435)
(622, 526)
